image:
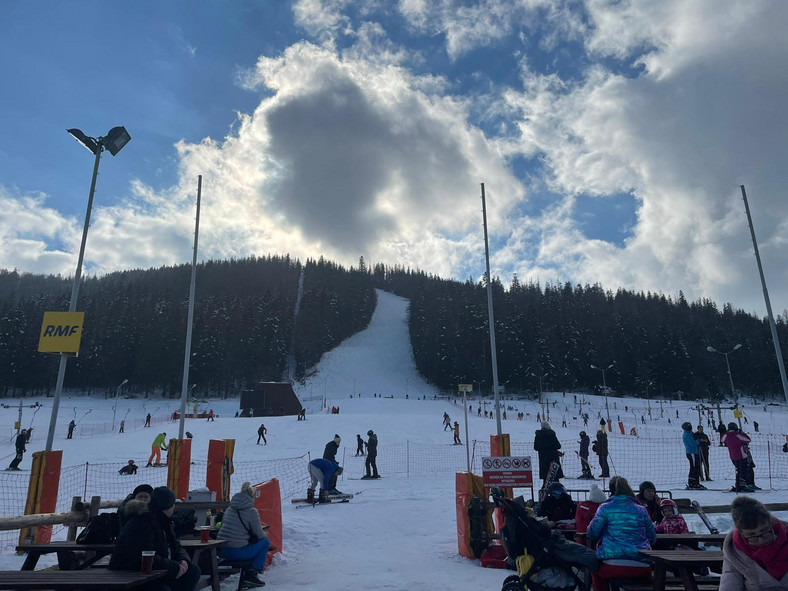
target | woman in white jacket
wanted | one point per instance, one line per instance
(240, 522)
(755, 553)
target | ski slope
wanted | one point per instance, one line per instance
(400, 532)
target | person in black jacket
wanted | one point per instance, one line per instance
(703, 451)
(330, 454)
(372, 454)
(585, 441)
(150, 528)
(359, 445)
(141, 493)
(558, 504)
(600, 448)
(21, 440)
(546, 444)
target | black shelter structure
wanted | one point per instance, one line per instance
(270, 399)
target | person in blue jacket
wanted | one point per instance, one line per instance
(622, 527)
(692, 449)
(322, 471)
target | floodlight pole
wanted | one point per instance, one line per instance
(61, 372)
(493, 356)
(772, 325)
(190, 318)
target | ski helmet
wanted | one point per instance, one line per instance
(131, 462)
(733, 426)
(582, 433)
(557, 489)
(370, 433)
(686, 425)
(669, 503)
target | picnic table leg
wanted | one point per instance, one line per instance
(214, 571)
(688, 579)
(31, 560)
(659, 577)
(65, 559)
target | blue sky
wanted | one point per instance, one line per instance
(611, 137)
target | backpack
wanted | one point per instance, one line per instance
(101, 529)
(184, 521)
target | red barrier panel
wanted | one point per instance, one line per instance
(42, 494)
(179, 459)
(268, 502)
(621, 427)
(468, 485)
(220, 467)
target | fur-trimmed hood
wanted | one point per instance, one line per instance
(134, 508)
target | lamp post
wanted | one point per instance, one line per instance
(711, 349)
(115, 407)
(116, 138)
(604, 386)
(648, 400)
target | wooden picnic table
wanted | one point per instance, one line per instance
(76, 579)
(681, 562)
(667, 541)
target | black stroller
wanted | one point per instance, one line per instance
(559, 565)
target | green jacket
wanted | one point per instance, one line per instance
(160, 441)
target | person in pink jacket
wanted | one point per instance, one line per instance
(737, 443)
(755, 553)
(672, 522)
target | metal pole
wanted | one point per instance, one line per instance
(467, 449)
(730, 375)
(190, 318)
(19, 422)
(775, 338)
(61, 371)
(604, 385)
(493, 356)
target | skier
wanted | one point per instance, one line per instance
(210, 416)
(585, 441)
(600, 448)
(755, 426)
(750, 473)
(155, 449)
(585, 420)
(372, 454)
(322, 471)
(71, 427)
(261, 431)
(737, 442)
(130, 468)
(672, 522)
(563, 420)
(703, 448)
(21, 440)
(147, 420)
(330, 454)
(546, 444)
(722, 431)
(446, 422)
(359, 445)
(691, 448)
(122, 426)
(457, 433)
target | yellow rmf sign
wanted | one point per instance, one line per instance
(61, 332)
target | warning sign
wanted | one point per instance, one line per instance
(514, 472)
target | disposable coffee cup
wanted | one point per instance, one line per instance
(204, 533)
(147, 561)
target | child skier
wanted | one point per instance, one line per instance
(457, 433)
(130, 468)
(359, 445)
(672, 522)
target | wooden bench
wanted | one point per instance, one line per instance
(76, 579)
(682, 563)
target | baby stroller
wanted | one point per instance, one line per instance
(558, 564)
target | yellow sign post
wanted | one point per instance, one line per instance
(738, 414)
(61, 332)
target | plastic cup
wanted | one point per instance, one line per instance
(204, 533)
(147, 561)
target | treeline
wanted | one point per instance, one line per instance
(135, 324)
(554, 333)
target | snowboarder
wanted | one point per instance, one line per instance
(130, 468)
(703, 449)
(71, 427)
(261, 431)
(330, 454)
(210, 416)
(457, 433)
(585, 441)
(691, 448)
(323, 472)
(372, 454)
(21, 440)
(359, 445)
(546, 444)
(147, 420)
(600, 448)
(122, 426)
(159, 443)
(737, 443)
(446, 422)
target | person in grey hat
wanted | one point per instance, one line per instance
(546, 444)
(240, 523)
(150, 528)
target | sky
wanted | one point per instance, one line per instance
(611, 137)
(399, 532)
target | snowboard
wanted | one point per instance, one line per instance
(552, 473)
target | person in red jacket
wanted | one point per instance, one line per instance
(587, 509)
(737, 443)
(672, 522)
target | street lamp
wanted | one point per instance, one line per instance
(711, 349)
(116, 138)
(648, 400)
(604, 386)
(115, 407)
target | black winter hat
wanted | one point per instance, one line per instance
(733, 426)
(161, 499)
(582, 434)
(142, 488)
(645, 485)
(370, 433)
(687, 426)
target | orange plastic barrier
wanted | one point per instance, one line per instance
(220, 467)
(179, 459)
(468, 485)
(621, 427)
(268, 502)
(42, 494)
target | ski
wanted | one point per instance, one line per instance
(331, 498)
(307, 504)
(363, 478)
(704, 517)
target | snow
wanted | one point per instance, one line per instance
(400, 531)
